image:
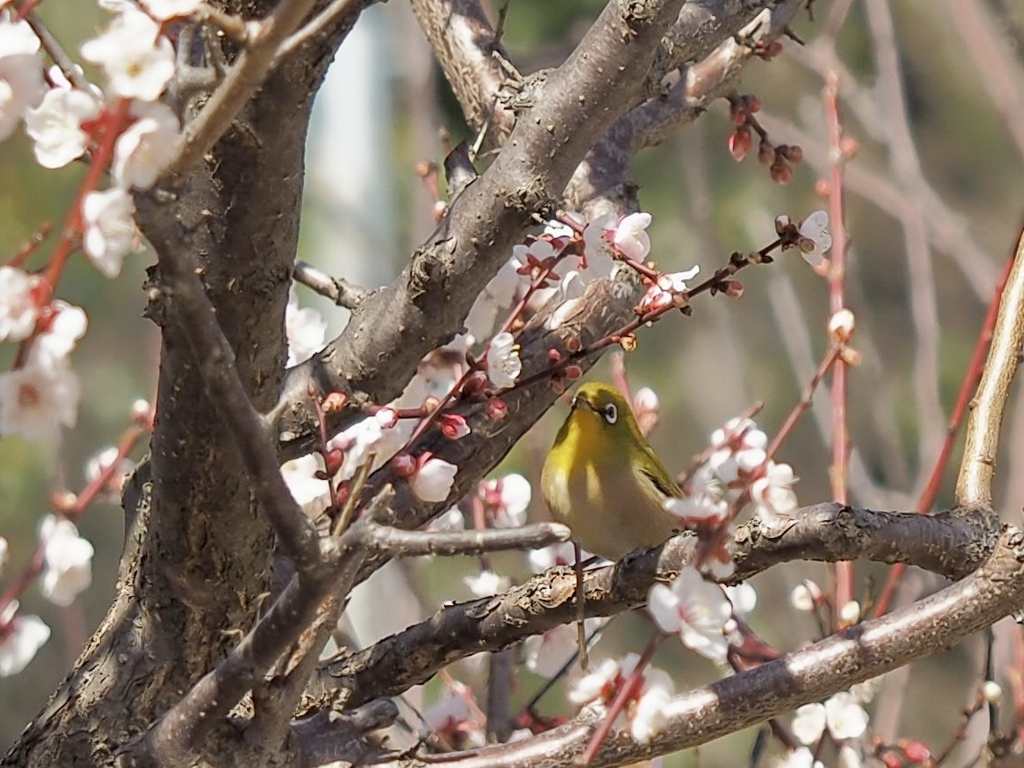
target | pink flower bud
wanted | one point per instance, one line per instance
(453, 426)
(496, 409)
(917, 752)
(333, 460)
(403, 464)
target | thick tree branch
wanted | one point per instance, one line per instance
(813, 673)
(394, 328)
(944, 544)
(463, 41)
(974, 484)
(215, 359)
(243, 79)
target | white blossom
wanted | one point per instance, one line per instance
(18, 308)
(103, 460)
(486, 583)
(36, 400)
(310, 492)
(845, 718)
(772, 493)
(667, 291)
(630, 236)
(137, 59)
(55, 126)
(433, 480)
(109, 229)
(21, 73)
(170, 9)
(20, 638)
(650, 713)
(809, 723)
(508, 499)
(547, 653)
(67, 325)
(67, 559)
(305, 330)
(841, 714)
(145, 148)
(696, 610)
(561, 554)
(451, 521)
(600, 682)
(742, 597)
(815, 239)
(503, 363)
(801, 757)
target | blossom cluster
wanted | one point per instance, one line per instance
(645, 712)
(737, 474)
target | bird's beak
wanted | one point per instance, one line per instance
(579, 402)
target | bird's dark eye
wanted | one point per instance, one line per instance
(610, 413)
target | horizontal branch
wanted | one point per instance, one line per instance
(946, 544)
(834, 664)
(399, 543)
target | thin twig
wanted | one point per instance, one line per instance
(337, 289)
(310, 30)
(55, 51)
(399, 543)
(245, 77)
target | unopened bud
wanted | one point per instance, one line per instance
(335, 401)
(573, 344)
(142, 413)
(850, 613)
(848, 148)
(822, 188)
(554, 355)
(782, 223)
(916, 752)
(792, 152)
(333, 460)
(573, 372)
(841, 326)
(805, 596)
(430, 403)
(496, 409)
(440, 209)
(852, 357)
(991, 691)
(781, 173)
(424, 168)
(454, 426)
(403, 465)
(765, 153)
(63, 501)
(732, 288)
(475, 384)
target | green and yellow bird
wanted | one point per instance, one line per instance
(603, 479)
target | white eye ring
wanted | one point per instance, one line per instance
(610, 413)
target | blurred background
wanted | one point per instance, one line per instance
(933, 92)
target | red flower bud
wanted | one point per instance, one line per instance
(496, 409)
(334, 402)
(403, 465)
